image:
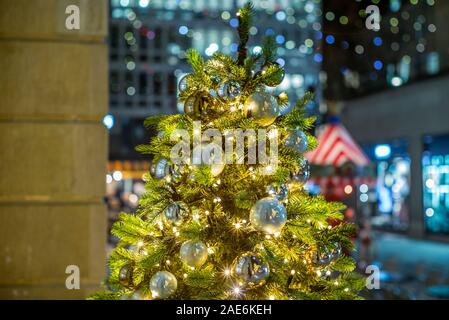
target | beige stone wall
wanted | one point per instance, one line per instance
(53, 96)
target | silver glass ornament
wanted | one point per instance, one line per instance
(297, 140)
(251, 270)
(176, 212)
(325, 254)
(160, 169)
(280, 192)
(163, 284)
(268, 215)
(263, 107)
(229, 90)
(182, 84)
(303, 173)
(125, 275)
(193, 253)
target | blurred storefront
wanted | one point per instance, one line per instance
(124, 186)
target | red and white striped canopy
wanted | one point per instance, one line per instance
(336, 147)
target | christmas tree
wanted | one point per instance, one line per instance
(220, 219)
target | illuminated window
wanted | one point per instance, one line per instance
(390, 200)
(436, 184)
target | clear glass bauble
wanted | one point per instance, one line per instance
(163, 284)
(268, 215)
(193, 253)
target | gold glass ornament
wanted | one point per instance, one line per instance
(263, 107)
(125, 275)
(193, 253)
(198, 104)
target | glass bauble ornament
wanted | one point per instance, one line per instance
(198, 104)
(325, 254)
(182, 84)
(268, 215)
(280, 192)
(176, 212)
(263, 107)
(160, 169)
(193, 253)
(297, 140)
(303, 173)
(229, 90)
(250, 270)
(276, 79)
(163, 284)
(209, 154)
(125, 275)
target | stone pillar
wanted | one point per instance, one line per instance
(53, 96)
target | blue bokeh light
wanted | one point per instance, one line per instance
(377, 41)
(318, 57)
(234, 23)
(330, 39)
(280, 39)
(378, 65)
(183, 30)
